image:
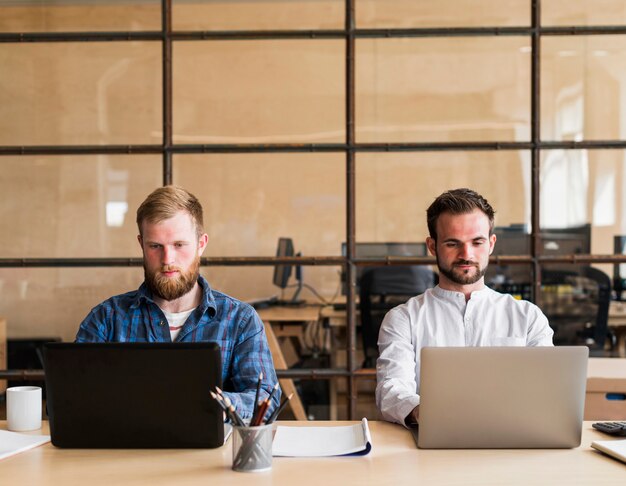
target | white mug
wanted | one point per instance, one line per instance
(23, 408)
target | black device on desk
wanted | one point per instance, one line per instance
(134, 395)
(282, 272)
(612, 428)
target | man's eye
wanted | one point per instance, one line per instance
(153, 246)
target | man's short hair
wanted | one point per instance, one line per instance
(163, 203)
(457, 201)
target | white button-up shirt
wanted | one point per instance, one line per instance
(441, 317)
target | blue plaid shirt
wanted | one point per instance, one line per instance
(234, 325)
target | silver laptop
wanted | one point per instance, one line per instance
(502, 397)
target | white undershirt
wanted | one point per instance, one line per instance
(176, 321)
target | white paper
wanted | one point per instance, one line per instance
(13, 442)
(614, 448)
(322, 441)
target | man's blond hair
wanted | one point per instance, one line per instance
(163, 203)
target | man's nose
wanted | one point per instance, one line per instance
(167, 256)
(466, 251)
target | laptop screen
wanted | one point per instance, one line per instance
(133, 395)
(502, 397)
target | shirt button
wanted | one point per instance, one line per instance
(162, 323)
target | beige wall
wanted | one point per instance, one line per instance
(289, 91)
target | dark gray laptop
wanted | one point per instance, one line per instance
(133, 395)
(502, 397)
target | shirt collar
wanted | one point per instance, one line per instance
(207, 304)
(453, 295)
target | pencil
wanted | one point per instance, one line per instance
(258, 420)
(256, 397)
(223, 406)
(273, 391)
(276, 412)
(236, 416)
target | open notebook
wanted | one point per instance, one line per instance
(613, 448)
(323, 441)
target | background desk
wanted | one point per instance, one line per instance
(286, 321)
(394, 460)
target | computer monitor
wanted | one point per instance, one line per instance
(282, 271)
(515, 240)
(566, 241)
(379, 250)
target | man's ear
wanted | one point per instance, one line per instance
(431, 244)
(202, 242)
(140, 240)
(492, 243)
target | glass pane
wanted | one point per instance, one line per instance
(65, 16)
(252, 200)
(395, 189)
(443, 90)
(259, 92)
(583, 12)
(52, 302)
(442, 13)
(258, 14)
(81, 206)
(581, 80)
(80, 93)
(582, 201)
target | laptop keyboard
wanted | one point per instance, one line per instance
(613, 428)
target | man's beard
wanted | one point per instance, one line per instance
(172, 288)
(462, 277)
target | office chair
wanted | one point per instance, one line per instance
(381, 289)
(581, 315)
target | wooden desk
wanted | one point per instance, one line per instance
(394, 460)
(277, 320)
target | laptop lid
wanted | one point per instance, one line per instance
(133, 395)
(502, 397)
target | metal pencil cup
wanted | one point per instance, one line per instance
(252, 448)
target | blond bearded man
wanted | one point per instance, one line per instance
(176, 304)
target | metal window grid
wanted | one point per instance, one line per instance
(350, 34)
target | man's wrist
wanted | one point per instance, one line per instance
(412, 418)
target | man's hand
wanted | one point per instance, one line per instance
(413, 417)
